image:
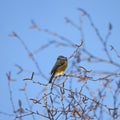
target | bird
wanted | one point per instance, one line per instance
(59, 67)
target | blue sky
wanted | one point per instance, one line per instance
(16, 15)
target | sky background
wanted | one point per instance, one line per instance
(16, 15)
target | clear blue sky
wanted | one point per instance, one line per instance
(16, 15)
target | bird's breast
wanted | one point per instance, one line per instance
(61, 69)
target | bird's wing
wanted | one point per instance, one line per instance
(57, 64)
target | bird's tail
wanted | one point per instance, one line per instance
(51, 78)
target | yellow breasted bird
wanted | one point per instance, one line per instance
(59, 67)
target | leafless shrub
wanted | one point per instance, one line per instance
(79, 94)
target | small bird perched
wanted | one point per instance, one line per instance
(59, 67)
